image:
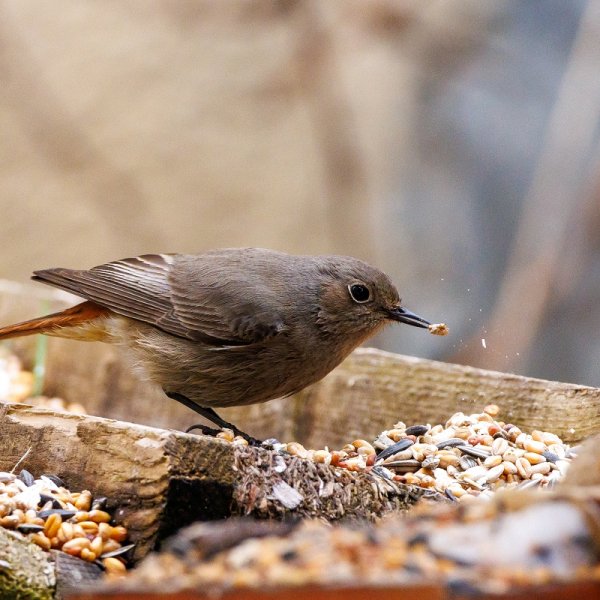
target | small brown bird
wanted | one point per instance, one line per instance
(228, 327)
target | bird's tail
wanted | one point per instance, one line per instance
(80, 322)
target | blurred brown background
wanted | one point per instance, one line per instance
(455, 144)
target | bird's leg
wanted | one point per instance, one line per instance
(211, 415)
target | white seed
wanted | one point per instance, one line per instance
(475, 473)
(513, 433)
(510, 456)
(533, 446)
(494, 473)
(322, 456)
(363, 447)
(492, 461)
(534, 458)
(523, 468)
(297, 449)
(521, 439)
(448, 459)
(383, 441)
(499, 446)
(456, 489)
(543, 468)
(550, 438)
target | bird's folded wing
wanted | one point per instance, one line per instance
(196, 300)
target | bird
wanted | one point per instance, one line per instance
(227, 327)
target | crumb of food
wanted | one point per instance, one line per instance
(438, 328)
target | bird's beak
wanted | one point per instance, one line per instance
(398, 313)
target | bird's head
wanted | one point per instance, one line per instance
(356, 300)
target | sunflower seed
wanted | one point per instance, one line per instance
(404, 466)
(394, 449)
(417, 430)
(119, 552)
(475, 452)
(451, 443)
(26, 477)
(29, 528)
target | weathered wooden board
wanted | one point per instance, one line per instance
(135, 467)
(371, 390)
(159, 480)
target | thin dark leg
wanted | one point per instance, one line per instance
(211, 415)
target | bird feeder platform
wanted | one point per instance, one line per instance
(158, 480)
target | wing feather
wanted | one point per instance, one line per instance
(195, 297)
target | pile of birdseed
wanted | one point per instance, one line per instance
(53, 517)
(469, 455)
(483, 546)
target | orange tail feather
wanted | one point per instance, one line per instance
(59, 323)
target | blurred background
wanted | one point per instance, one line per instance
(452, 143)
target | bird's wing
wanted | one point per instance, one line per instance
(193, 297)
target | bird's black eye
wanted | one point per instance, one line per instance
(359, 293)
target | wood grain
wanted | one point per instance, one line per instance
(371, 390)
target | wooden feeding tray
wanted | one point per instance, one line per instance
(158, 480)
(572, 591)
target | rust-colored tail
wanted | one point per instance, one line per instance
(62, 323)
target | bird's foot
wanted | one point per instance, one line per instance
(204, 429)
(252, 441)
(211, 415)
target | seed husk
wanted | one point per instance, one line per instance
(99, 503)
(53, 501)
(26, 477)
(467, 462)
(431, 462)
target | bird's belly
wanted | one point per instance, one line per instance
(226, 377)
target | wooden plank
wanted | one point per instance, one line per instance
(584, 590)
(130, 464)
(423, 592)
(372, 389)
